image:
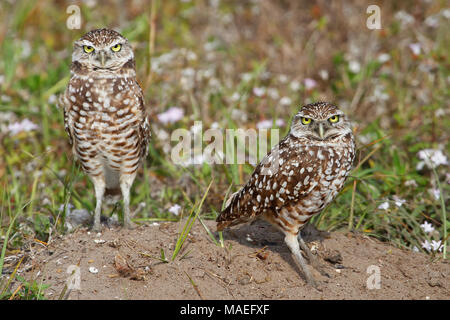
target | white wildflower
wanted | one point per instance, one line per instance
(240, 115)
(439, 113)
(52, 99)
(259, 91)
(215, 125)
(384, 206)
(431, 158)
(398, 202)
(211, 45)
(310, 83)
(191, 55)
(246, 77)
(188, 72)
(266, 75)
(282, 78)
(323, 74)
(436, 245)
(379, 94)
(25, 125)
(175, 209)
(411, 183)
(285, 101)
(354, 66)
(26, 49)
(5, 98)
(214, 83)
(173, 114)
(446, 13)
(432, 21)
(235, 97)
(267, 124)
(273, 93)
(384, 57)
(427, 227)
(294, 85)
(161, 134)
(426, 245)
(435, 193)
(404, 18)
(415, 48)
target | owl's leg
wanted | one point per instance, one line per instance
(312, 259)
(99, 186)
(126, 181)
(293, 244)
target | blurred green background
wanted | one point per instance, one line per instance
(236, 64)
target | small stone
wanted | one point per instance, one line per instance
(93, 270)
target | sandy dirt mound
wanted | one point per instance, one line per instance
(258, 266)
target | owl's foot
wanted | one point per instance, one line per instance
(312, 259)
(97, 227)
(128, 224)
(293, 244)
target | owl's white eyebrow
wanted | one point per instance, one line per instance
(84, 43)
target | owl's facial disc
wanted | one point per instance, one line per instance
(320, 127)
(104, 56)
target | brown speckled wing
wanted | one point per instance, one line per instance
(65, 105)
(144, 128)
(308, 177)
(262, 191)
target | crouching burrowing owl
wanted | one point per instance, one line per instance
(104, 115)
(298, 177)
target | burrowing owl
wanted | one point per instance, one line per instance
(298, 177)
(104, 115)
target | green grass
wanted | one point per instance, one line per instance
(398, 108)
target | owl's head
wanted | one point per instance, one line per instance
(320, 121)
(102, 50)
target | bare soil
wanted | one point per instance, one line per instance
(258, 266)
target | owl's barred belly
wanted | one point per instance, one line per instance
(106, 145)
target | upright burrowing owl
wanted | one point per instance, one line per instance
(298, 177)
(104, 115)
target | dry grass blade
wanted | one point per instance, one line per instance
(11, 277)
(195, 286)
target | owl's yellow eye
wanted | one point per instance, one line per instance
(116, 48)
(306, 120)
(334, 119)
(88, 49)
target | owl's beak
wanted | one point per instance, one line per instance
(321, 130)
(102, 58)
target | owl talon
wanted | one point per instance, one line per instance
(130, 225)
(97, 227)
(313, 283)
